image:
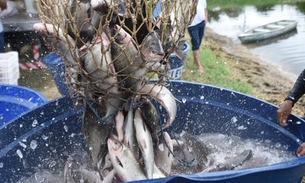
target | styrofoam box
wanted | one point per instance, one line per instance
(9, 67)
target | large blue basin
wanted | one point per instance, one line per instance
(56, 130)
(16, 100)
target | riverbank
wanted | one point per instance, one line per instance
(268, 82)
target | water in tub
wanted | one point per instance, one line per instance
(222, 147)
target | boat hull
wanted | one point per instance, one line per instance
(268, 31)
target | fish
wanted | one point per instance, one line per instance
(129, 135)
(157, 173)
(145, 143)
(163, 154)
(96, 133)
(104, 6)
(128, 59)
(127, 62)
(78, 14)
(198, 149)
(156, 67)
(151, 48)
(232, 162)
(164, 97)
(119, 121)
(63, 44)
(65, 47)
(191, 154)
(124, 162)
(106, 166)
(110, 177)
(98, 67)
(151, 118)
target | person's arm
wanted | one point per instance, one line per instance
(294, 95)
(298, 89)
(3, 4)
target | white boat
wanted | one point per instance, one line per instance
(268, 30)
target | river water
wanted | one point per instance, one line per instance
(286, 51)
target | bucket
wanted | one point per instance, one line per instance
(176, 62)
(57, 67)
(16, 100)
(205, 109)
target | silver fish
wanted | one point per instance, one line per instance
(96, 133)
(163, 154)
(109, 177)
(191, 155)
(124, 162)
(79, 13)
(129, 135)
(98, 66)
(151, 118)
(157, 173)
(105, 165)
(145, 143)
(119, 121)
(64, 46)
(198, 148)
(104, 6)
(231, 163)
(128, 60)
(151, 48)
(164, 97)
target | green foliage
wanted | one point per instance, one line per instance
(215, 72)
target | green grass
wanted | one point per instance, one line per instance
(216, 72)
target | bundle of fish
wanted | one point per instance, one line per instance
(111, 50)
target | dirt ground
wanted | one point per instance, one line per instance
(268, 81)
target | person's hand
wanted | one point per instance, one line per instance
(283, 112)
(301, 150)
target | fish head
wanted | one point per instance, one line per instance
(151, 48)
(120, 35)
(115, 146)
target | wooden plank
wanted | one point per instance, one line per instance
(261, 30)
(272, 26)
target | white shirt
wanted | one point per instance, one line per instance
(9, 11)
(200, 15)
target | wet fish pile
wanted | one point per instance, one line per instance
(208, 152)
(111, 50)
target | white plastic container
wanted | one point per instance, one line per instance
(9, 68)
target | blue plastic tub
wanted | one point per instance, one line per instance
(207, 109)
(16, 100)
(57, 67)
(176, 63)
